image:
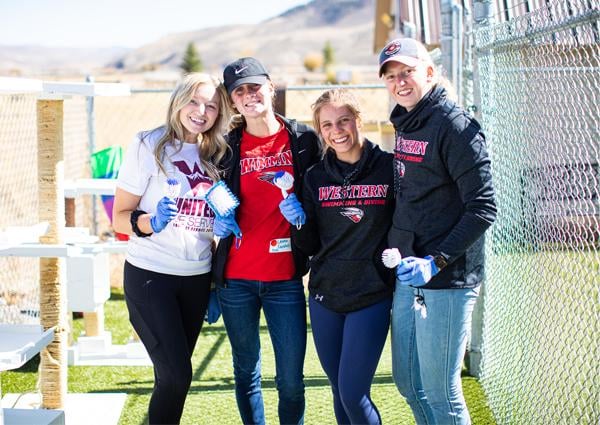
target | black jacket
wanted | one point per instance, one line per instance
(444, 194)
(349, 211)
(305, 148)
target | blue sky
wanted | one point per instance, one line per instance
(125, 23)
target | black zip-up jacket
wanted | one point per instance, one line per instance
(349, 211)
(306, 151)
(444, 193)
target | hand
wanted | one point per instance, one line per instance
(213, 311)
(166, 210)
(292, 210)
(415, 271)
(225, 226)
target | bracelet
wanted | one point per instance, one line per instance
(133, 219)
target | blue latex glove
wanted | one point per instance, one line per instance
(225, 226)
(213, 312)
(415, 271)
(292, 210)
(166, 210)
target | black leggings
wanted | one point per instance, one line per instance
(167, 313)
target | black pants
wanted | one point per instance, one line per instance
(167, 313)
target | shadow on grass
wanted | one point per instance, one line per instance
(315, 381)
(208, 358)
(117, 296)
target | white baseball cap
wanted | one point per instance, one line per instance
(404, 50)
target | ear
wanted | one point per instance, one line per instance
(430, 72)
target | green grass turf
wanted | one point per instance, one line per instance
(211, 399)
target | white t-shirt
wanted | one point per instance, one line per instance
(183, 248)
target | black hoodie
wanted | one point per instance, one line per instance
(349, 212)
(444, 194)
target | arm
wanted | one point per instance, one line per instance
(134, 175)
(307, 237)
(131, 185)
(125, 203)
(469, 166)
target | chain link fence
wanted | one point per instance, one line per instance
(19, 276)
(18, 198)
(116, 121)
(539, 82)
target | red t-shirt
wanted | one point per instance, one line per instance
(265, 251)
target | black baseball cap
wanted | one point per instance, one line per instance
(244, 71)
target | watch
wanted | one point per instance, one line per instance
(133, 219)
(440, 261)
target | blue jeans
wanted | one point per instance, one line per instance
(427, 353)
(284, 306)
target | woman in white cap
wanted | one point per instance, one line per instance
(444, 204)
(265, 270)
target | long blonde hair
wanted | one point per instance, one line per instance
(211, 144)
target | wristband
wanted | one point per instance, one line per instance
(133, 219)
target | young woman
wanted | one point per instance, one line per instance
(444, 204)
(348, 200)
(167, 268)
(264, 271)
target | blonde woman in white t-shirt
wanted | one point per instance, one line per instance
(159, 202)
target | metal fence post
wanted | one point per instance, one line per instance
(91, 128)
(451, 43)
(482, 15)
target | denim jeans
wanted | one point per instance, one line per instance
(427, 353)
(284, 306)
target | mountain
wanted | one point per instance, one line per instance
(40, 61)
(281, 43)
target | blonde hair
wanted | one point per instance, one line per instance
(338, 96)
(211, 144)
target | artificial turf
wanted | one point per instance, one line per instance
(211, 398)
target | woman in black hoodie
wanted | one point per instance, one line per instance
(444, 204)
(348, 201)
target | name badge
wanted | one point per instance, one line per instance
(280, 245)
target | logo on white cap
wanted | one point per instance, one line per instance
(393, 48)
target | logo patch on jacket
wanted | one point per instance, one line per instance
(354, 214)
(410, 150)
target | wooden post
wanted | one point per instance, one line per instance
(53, 359)
(93, 322)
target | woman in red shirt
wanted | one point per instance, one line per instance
(264, 271)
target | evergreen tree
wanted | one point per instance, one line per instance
(191, 60)
(328, 55)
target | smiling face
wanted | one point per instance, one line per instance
(340, 130)
(253, 100)
(408, 84)
(200, 113)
